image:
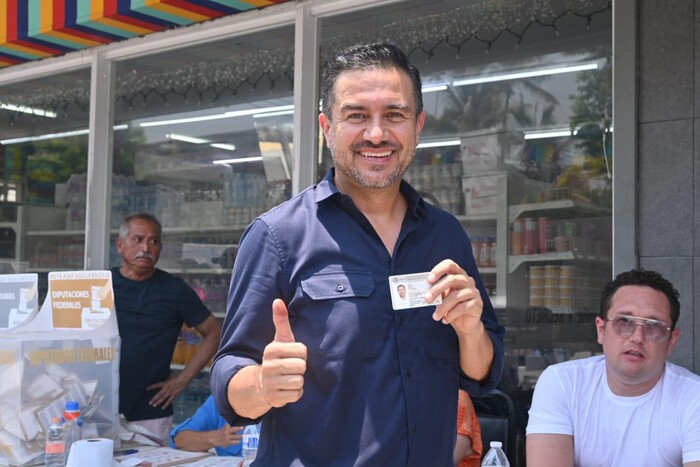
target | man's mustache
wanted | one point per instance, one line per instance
(144, 255)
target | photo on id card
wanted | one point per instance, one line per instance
(408, 290)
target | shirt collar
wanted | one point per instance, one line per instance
(327, 188)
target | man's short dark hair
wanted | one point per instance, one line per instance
(144, 216)
(644, 278)
(367, 57)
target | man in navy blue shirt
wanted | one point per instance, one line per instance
(311, 344)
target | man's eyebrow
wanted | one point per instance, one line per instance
(403, 107)
(351, 107)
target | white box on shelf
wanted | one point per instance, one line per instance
(490, 150)
(481, 194)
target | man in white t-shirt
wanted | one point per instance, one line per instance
(629, 407)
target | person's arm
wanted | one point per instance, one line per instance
(461, 307)
(463, 448)
(546, 450)
(692, 464)
(202, 441)
(550, 426)
(210, 329)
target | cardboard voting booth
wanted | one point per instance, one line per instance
(68, 350)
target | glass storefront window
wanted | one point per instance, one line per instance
(207, 148)
(43, 153)
(518, 145)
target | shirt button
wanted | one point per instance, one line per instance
(340, 288)
(402, 321)
(408, 373)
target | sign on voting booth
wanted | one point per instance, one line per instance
(19, 299)
(68, 350)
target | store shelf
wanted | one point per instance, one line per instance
(47, 270)
(233, 229)
(536, 209)
(55, 233)
(514, 262)
(483, 270)
(229, 229)
(196, 271)
(477, 218)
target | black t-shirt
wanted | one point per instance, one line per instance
(150, 314)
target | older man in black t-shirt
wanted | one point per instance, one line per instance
(151, 307)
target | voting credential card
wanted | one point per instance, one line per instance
(407, 291)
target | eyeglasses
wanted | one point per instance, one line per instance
(654, 330)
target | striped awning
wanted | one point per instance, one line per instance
(36, 29)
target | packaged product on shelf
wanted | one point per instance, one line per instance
(68, 350)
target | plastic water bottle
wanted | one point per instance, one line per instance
(72, 424)
(495, 456)
(55, 451)
(251, 436)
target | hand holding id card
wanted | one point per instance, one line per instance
(408, 291)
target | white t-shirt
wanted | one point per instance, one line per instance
(659, 428)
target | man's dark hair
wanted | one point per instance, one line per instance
(124, 227)
(644, 278)
(367, 57)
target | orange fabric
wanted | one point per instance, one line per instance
(468, 425)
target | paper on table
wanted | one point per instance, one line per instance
(222, 461)
(163, 457)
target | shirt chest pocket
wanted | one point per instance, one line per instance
(340, 317)
(335, 285)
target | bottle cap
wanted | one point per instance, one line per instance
(72, 405)
(496, 444)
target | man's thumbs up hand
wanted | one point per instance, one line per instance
(281, 375)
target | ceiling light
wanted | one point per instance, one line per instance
(238, 161)
(274, 114)
(437, 144)
(187, 139)
(65, 134)
(433, 87)
(526, 74)
(182, 120)
(555, 133)
(231, 114)
(228, 147)
(28, 110)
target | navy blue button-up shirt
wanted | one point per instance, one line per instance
(381, 384)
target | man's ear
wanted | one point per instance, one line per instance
(672, 341)
(324, 123)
